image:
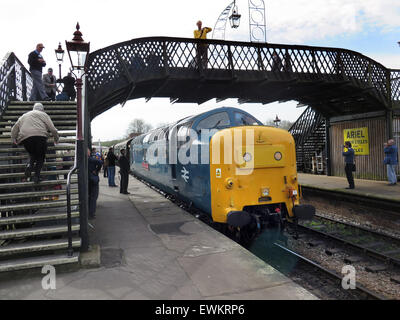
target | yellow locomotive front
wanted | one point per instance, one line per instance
(254, 177)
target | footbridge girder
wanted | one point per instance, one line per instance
(333, 81)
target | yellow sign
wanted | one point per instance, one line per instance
(359, 140)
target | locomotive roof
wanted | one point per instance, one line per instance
(194, 117)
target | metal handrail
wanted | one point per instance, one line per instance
(69, 215)
(15, 81)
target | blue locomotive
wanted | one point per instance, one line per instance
(226, 163)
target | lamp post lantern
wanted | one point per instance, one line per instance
(78, 52)
(234, 19)
(277, 121)
(257, 21)
(60, 57)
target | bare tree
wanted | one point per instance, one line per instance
(138, 126)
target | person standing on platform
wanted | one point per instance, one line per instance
(31, 130)
(391, 160)
(94, 166)
(124, 172)
(68, 93)
(105, 165)
(202, 48)
(36, 64)
(111, 167)
(49, 81)
(349, 161)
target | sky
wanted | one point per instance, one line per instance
(371, 27)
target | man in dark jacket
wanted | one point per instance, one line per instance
(36, 64)
(69, 87)
(124, 172)
(94, 166)
(111, 167)
(349, 161)
(391, 160)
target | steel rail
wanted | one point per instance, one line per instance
(362, 289)
(369, 251)
(374, 232)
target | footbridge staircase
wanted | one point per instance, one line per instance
(34, 225)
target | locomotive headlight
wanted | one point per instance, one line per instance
(229, 183)
(247, 157)
(265, 192)
(278, 156)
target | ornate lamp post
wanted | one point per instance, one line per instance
(78, 52)
(277, 121)
(60, 58)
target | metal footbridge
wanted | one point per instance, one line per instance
(332, 81)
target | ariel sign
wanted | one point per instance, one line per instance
(359, 140)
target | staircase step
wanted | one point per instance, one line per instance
(37, 205)
(37, 217)
(56, 123)
(22, 166)
(46, 104)
(28, 263)
(49, 112)
(37, 231)
(35, 194)
(22, 149)
(53, 117)
(10, 186)
(26, 156)
(58, 127)
(61, 134)
(34, 246)
(42, 173)
(8, 142)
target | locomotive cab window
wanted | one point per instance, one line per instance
(217, 120)
(242, 119)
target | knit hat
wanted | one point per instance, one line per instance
(38, 107)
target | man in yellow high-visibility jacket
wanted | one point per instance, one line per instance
(201, 33)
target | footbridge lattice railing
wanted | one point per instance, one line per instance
(135, 59)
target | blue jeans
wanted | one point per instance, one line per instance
(38, 92)
(391, 173)
(111, 175)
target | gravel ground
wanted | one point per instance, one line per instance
(377, 282)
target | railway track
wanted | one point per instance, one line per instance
(376, 244)
(374, 255)
(303, 263)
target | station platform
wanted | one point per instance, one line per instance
(379, 190)
(152, 249)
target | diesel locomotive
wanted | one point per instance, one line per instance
(227, 164)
